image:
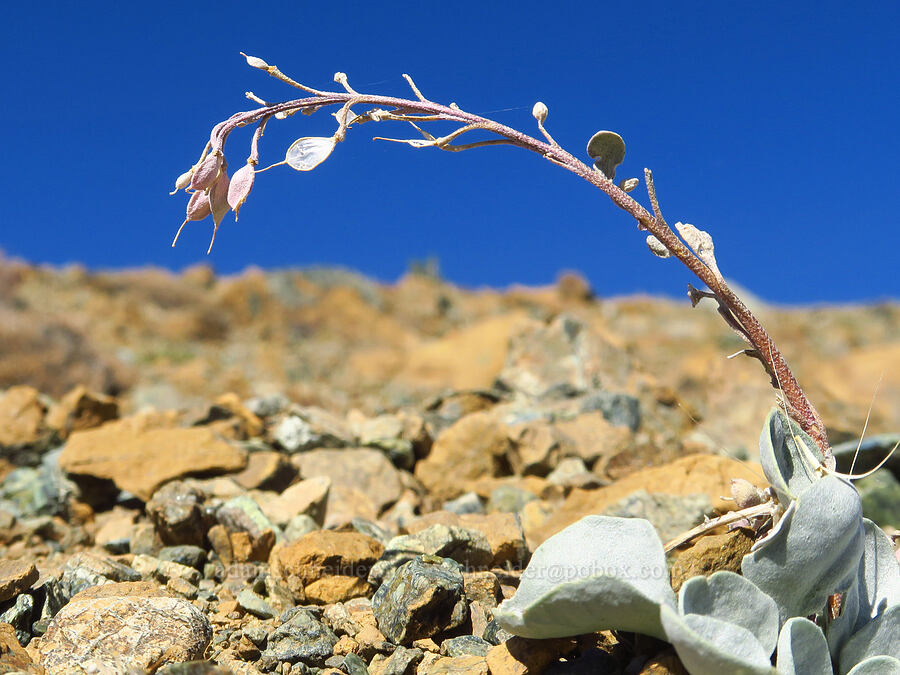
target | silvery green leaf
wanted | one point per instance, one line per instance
(802, 649)
(732, 598)
(607, 149)
(879, 637)
(599, 573)
(815, 551)
(877, 587)
(786, 465)
(877, 665)
(710, 646)
(305, 154)
(879, 576)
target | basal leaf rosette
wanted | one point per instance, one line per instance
(814, 552)
(600, 573)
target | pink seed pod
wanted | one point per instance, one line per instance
(218, 204)
(746, 494)
(197, 209)
(207, 172)
(239, 187)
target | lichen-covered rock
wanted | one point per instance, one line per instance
(123, 632)
(424, 598)
(301, 638)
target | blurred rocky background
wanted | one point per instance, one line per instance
(261, 457)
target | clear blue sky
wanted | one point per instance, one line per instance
(772, 125)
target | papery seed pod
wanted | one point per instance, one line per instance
(539, 112)
(628, 184)
(208, 171)
(305, 154)
(197, 209)
(239, 187)
(746, 494)
(255, 62)
(657, 248)
(218, 198)
(183, 180)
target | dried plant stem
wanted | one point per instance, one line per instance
(764, 509)
(399, 109)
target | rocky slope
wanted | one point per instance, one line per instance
(308, 471)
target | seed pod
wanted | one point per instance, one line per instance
(657, 248)
(628, 184)
(305, 154)
(183, 180)
(207, 172)
(218, 198)
(255, 62)
(539, 112)
(239, 187)
(197, 209)
(746, 493)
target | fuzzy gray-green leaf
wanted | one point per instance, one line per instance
(599, 573)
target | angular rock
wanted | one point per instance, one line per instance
(139, 457)
(21, 419)
(13, 657)
(521, 656)
(474, 447)
(123, 632)
(311, 427)
(469, 664)
(619, 409)
(401, 662)
(255, 604)
(307, 497)
(84, 570)
(326, 567)
(591, 436)
(20, 616)
(81, 409)
(509, 499)
(572, 472)
(242, 514)
(16, 576)
(424, 598)
(266, 470)
(468, 502)
(465, 644)
(191, 556)
(301, 638)
(176, 510)
(364, 470)
(709, 554)
(502, 530)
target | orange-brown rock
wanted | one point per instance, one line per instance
(521, 656)
(502, 530)
(13, 657)
(467, 358)
(325, 566)
(139, 454)
(21, 417)
(711, 553)
(16, 576)
(694, 474)
(474, 447)
(81, 409)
